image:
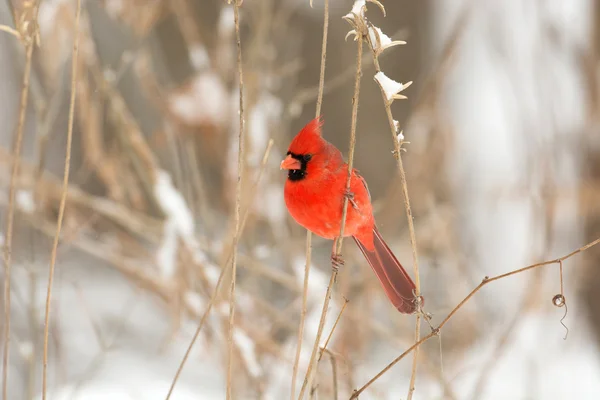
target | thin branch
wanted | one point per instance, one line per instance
(238, 196)
(309, 233)
(484, 282)
(16, 151)
(10, 30)
(339, 241)
(323, 58)
(334, 374)
(302, 312)
(63, 199)
(337, 320)
(223, 272)
(376, 51)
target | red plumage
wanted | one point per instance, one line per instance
(314, 195)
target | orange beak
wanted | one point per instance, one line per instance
(290, 163)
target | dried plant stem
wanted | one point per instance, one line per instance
(325, 349)
(337, 320)
(10, 30)
(409, 217)
(10, 213)
(238, 196)
(309, 233)
(338, 249)
(63, 198)
(484, 282)
(323, 59)
(223, 273)
(302, 313)
(333, 373)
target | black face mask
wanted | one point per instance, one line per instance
(298, 174)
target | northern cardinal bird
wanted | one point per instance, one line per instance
(314, 195)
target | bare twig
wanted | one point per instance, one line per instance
(376, 51)
(302, 312)
(338, 249)
(221, 275)
(484, 282)
(63, 199)
(323, 58)
(10, 30)
(16, 151)
(238, 196)
(337, 320)
(309, 233)
(333, 374)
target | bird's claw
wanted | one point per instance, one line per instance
(350, 196)
(336, 262)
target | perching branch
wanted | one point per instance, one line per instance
(309, 233)
(339, 241)
(486, 280)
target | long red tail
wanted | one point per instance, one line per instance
(396, 282)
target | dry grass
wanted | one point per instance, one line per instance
(162, 90)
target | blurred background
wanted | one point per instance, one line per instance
(503, 170)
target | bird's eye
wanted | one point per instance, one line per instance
(307, 157)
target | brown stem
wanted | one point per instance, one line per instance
(63, 198)
(309, 233)
(334, 271)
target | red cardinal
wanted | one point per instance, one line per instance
(314, 194)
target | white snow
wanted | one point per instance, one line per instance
(205, 101)
(26, 349)
(248, 351)
(113, 7)
(266, 111)
(357, 9)
(25, 201)
(400, 137)
(226, 24)
(179, 226)
(48, 14)
(536, 357)
(317, 280)
(271, 205)
(390, 87)
(179, 222)
(262, 251)
(195, 302)
(212, 274)
(199, 57)
(384, 40)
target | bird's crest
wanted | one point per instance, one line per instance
(309, 139)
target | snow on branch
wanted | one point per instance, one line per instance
(390, 87)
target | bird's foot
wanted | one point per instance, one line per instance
(350, 197)
(336, 262)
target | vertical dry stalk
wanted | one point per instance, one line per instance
(409, 217)
(63, 197)
(221, 275)
(16, 152)
(309, 233)
(334, 375)
(238, 195)
(338, 249)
